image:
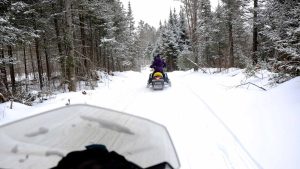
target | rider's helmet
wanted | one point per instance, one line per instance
(157, 57)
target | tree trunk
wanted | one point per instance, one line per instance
(192, 8)
(12, 70)
(39, 62)
(59, 46)
(32, 62)
(100, 61)
(219, 55)
(119, 65)
(47, 62)
(255, 34)
(70, 47)
(25, 62)
(170, 64)
(195, 52)
(97, 53)
(3, 71)
(230, 32)
(104, 60)
(25, 67)
(112, 62)
(83, 41)
(195, 38)
(108, 62)
(206, 51)
(92, 41)
(231, 55)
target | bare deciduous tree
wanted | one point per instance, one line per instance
(192, 12)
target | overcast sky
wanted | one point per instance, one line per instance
(152, 11)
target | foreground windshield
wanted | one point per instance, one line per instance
(41, 141)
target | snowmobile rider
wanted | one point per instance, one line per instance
(158, 65)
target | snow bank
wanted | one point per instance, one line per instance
(266, 122)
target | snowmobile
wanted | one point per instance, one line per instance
(83, 137)
(159, 80)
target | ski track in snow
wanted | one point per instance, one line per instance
(234, 152)
(238, 142)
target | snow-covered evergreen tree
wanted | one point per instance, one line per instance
(183, 42)
(170, 40)
(170, 49)
(219, 38)
(144, 40)
(130, 20)
(204, 32)
(130, 32)
(281, 34)
(234, 16)
(173, 42)
(158, 44)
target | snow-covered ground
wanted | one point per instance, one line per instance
(214, 122)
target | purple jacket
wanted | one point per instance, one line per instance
(158, 64)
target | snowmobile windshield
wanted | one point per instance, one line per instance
(39, 142)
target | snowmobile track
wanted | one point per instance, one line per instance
(238, 142)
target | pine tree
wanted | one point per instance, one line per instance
(183, 41)
(255, 33)
(204, 31)
(280, 35)
(93, 35)
(15, 29)
(158, 44)
(234, 12)
(230, 9)
(130, 36)
(130, 20)
(170, 47)
(219, 40)
(145, 36)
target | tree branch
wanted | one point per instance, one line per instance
(252, 84)
(192, 62)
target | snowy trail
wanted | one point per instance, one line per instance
(213, 124)
(233, 135)
(234, 152)
(216, 145)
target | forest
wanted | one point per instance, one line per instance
(58, 45)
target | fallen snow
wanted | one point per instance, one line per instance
(214, 121)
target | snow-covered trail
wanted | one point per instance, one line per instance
(213, 123)
(201, 138)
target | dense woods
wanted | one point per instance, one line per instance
(54, 45)
(250, 34)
